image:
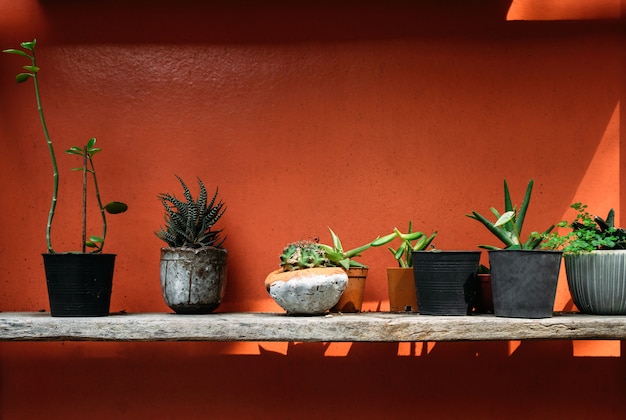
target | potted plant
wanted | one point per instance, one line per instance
(193, 265)
(306, 283)
(352, 298)
(484, 294)
(79, 283)
(594, 251)
(401, 279)
(523, 277)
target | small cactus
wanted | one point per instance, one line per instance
(303, 254)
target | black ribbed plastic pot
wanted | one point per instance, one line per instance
(79, 284)
(524, 282)
(597, 281)
(445, 281)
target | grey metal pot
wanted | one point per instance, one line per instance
(597, 281)
(193, 281)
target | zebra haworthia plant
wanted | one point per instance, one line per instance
(188, 222)
(87, 152)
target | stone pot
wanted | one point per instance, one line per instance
(311, 291)
(193, 281)
(597, 281)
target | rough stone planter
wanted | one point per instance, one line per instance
(401, 286)
(352, 298)
(79, 284)
(445, 281)
(193, 281)
(597, 281)
(311, 291)
(524, 282)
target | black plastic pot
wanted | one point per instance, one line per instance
(524, 282)
(79, 284)
(445, 281)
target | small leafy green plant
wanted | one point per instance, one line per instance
(87, 152)
(411, 241)
(340, 258)
(588, 233)
(189, 223)
(508, 225)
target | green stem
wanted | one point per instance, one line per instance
(55, 170)
(84, 199)
(100, 206)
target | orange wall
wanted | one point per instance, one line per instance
(358, 115)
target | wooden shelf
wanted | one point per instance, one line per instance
(364, 327)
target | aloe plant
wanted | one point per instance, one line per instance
(404, 253)
(508, 225)
(341, 258)
(94, 241)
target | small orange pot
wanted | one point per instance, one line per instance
(352, 298)
(402, 294)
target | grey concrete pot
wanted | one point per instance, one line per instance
(193, 281)
(311, 291)
(597, 281)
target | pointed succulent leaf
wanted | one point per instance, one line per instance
(519, 220)
(505, 218)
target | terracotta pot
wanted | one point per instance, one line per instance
(352, 298)
(402, 294)
(311, 291)
(484, 301)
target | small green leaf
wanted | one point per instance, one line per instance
(17, 52)
(505, 218)
(91, 143)
(90, 244)
(116, 207)
(32, 69)
(76, 169)
(75, 150)
(30, 45)
(94, 151)
(22, 77)
(96, 239)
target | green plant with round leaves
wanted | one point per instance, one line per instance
(189, 222)
(87, 152)
(508, 225)
(411, 241)
(587, 233)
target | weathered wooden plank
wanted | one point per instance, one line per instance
(365, 327)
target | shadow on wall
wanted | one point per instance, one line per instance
(541, 380)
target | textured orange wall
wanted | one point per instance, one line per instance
(358, 115)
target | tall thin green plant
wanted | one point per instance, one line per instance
(94, 241)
